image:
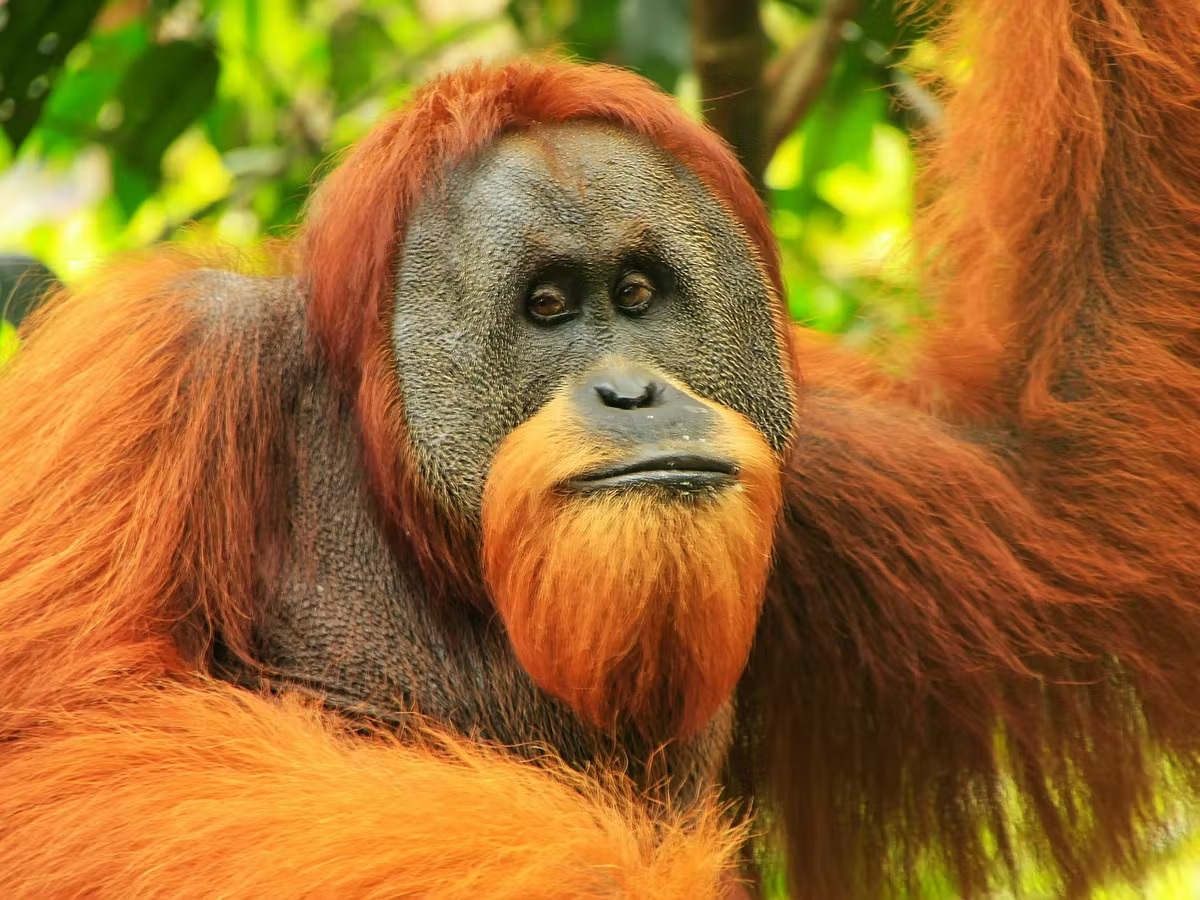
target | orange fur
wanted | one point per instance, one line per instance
(145, 431)
(210, 791)
(127, 445)
(142, 423)
(985, 607)
(987, 569)
(445, 123)
(628, 604)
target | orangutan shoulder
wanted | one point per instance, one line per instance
(260, 318)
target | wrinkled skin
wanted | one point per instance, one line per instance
(576, 208)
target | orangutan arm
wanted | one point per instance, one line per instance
(171, 790)
(988, 574)
(144, 438)
(921, 607)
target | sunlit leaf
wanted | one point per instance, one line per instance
(9, 342)
(839, 127)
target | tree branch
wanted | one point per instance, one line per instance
(728, 51)
(805, 72)
(920, 103)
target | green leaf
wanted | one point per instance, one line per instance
(227, 122)
(541, 22)
(9, 342)
(71, 118)
(357, 41)
(163, 92)
(839, 128)
(33, 45)
(131, 186)
(856, 125)
(895, 24)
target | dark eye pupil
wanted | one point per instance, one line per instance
(632, 296)
(547, 305)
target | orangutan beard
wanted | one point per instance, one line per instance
(638, 604)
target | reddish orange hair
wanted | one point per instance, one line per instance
(354, 257)
(142, 430)
(127, 445)
(989, 574)
(143, 436)
(986, 577)
(184, 791)
(628, 605)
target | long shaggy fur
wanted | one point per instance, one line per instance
(987, 594)
(210, 791)
(635, 605)
(135, 522)
(981, 626)
(401, 163)
(143, 426)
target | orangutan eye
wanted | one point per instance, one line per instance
(548, 304)
(634, 293)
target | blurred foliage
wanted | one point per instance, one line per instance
(126, 121)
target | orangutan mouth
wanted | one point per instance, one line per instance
(674, 471)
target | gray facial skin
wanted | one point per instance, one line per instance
(577, 208)
(344, 613)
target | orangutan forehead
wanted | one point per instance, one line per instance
(577, 157)
(590, 177)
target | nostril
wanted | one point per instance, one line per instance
(630, 398)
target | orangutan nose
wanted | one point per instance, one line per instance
(633, 406)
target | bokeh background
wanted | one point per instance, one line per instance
(128, 122)
(133, 121)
